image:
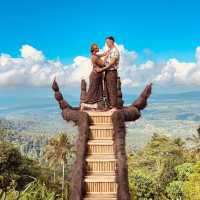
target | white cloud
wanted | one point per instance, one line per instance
(31, 68)
(175, 73)
(28, 52)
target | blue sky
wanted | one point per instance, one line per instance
(158, 41)
(65, 29)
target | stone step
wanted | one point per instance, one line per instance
(100, 184)
(100, 180)
(101, 196)
(101, 132)
(101, 163)
(101, 177)
(100, 118)
(102, 157)
(100, 147)
(101, 173)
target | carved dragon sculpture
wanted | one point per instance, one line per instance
(81, 119)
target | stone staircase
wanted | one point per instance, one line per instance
(100, 179)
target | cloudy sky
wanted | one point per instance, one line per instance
(158, 42)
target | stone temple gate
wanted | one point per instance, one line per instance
(100, 169)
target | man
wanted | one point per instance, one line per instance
(110, 79)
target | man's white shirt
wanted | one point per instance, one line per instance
(114, 53)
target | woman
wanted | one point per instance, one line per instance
(94, 94)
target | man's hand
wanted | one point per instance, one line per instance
(111, 64)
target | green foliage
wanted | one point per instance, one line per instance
(37, 191)
(160, 152)
(142, 186)
(58, 150)
(158, 158)
(183, 171)
(164, 169)
(16, 170)
(191, 187)
(175, 190)
(58, 153)
(10, 157)
(173, 174)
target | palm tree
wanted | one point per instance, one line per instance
(49, 155)
(57, 152)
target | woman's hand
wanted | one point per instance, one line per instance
(98, 69)
(107, 53)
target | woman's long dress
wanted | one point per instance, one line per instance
(95, 90)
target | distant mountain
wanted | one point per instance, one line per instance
(30, 125)
(174, 113)
(192, 95)
(17, 125)
(184, 96)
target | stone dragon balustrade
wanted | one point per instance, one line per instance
(100, 169)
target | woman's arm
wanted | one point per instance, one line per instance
(97, 61)
(113, 61)
(103, 54)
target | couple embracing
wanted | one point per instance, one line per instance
(103, 78)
